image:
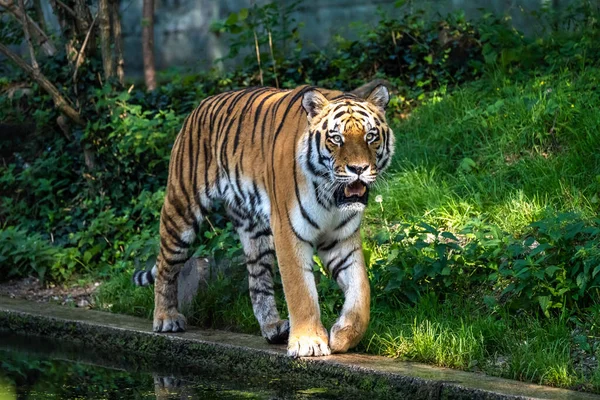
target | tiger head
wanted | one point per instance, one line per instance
(348, 144)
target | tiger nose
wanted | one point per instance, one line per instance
(357, 169)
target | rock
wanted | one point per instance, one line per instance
(83, 303)
(194, 275)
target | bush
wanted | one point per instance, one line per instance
(554, 267)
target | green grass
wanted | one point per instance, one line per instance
(502, 150)
(505, 151)
(458, 335)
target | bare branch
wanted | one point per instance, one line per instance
(59, 101)
(66, 8)
(273, 60)
(258, 58)
(37, 33)
(25, 23)
(79, 54)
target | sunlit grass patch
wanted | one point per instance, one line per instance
(432, 342)
(502, 149)
(541, 361)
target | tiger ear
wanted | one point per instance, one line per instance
(313, 102)
(379, 97)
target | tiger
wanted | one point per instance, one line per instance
(294, 169)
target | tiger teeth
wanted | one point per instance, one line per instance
(355, 189)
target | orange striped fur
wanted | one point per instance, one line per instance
(294, 168)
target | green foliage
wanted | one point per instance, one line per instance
(270, 25)
(554, 267)
(417, 53)
(24, 254)
(565, 38)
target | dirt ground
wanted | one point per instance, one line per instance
(32, 289)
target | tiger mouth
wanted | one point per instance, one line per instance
(355, 192)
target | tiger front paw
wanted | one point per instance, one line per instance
(170, 321)
(343, 337)
(308, 346)
(277, 333)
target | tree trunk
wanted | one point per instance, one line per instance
(118, 38)
(148, 44)
(104, 25)
(85, 23)
(37, 6)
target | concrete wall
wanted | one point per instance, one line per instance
(183, 37)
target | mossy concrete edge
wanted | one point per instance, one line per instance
(239, 352)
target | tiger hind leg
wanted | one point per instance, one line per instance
(257, 241)
(178, 229)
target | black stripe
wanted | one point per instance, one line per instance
(318, 197)
(166, 246)
(336, 273)
(190, 148)
(170, 261)
(264, 253)
(256, 291)
(329, 246)
(294, 231)
(207, 159)
(171, 228)
(136, 278)
(251, 226)
(338, 265)
(150, 278)
(179, 208)
(302, 209)
(291, 104)
(249, 103)
(238, 183)
(263, 232)
(259, 274)
(361, 112)
(322, 158)
(336, 116)
(345, 221)
(346, 96)
(265, 269)
(258, 113)
(179, 178)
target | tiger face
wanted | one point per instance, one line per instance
(354, 142)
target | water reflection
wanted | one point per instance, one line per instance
(35, 369)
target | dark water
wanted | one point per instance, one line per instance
(35, 368)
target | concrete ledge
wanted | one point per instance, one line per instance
(382, 377)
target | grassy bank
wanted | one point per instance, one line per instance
(481, 173)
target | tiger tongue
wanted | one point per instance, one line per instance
(355, 189)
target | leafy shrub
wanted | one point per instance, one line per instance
(554, 267)
(23, 253)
